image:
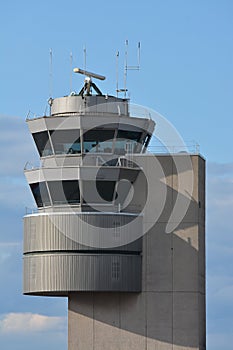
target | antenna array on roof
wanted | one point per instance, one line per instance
(126, 67)
(88, 84)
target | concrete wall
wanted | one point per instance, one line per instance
(169, 313)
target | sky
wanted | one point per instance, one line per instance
(186, 74)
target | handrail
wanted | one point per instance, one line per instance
(189, 148)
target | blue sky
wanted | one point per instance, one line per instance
(186, 75)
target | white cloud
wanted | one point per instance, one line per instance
(28, 323)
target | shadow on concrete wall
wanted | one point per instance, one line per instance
(171, 306)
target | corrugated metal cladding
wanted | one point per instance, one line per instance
(45, 232)
(63, 273)
(67, 252)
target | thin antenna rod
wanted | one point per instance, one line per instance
(50, 73)
(85, 57)
(126, 67)
(117, 72)
(139, 54)
(71, 71)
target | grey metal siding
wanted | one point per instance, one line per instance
(63, 273)
(45, 232)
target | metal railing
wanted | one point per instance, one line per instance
(134, 111)
(120, 161)
(191, 147)
(29, 211)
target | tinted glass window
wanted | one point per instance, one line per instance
(66, 141)
(106, 189)
(63, 192)
(127, 141)
(129, 135)
(40, 194)
(98, 191)
(98, 140)
(42, 143)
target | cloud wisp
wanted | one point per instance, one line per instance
(31, 323)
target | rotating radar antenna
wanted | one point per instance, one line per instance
(88, 83)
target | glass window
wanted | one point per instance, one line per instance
(40, 194)
(127, 141)
(42, 143)
(64, 192)
(66, 141)
(98, 191)
(111, 162)
(129, 135)
(98, 140)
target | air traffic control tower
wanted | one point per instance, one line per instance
(119, 231)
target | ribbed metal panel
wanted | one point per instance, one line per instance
(62, 273)
(63, 231)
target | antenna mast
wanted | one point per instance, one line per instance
(117, 72)
(85, 57)
(71, 71)
(50, 73)
(127, 67)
